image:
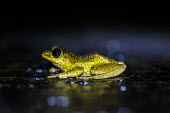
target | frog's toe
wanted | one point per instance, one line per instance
(52, 76)
(62, 76)
(122, 63)
(84, 78)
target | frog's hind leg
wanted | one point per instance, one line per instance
(71, 73)
(106, 71)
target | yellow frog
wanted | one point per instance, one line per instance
(92, 66)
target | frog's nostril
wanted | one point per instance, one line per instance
(45, 54)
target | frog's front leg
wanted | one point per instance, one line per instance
(108, 70)
(71, 73)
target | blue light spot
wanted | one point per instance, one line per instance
(119, 57)
(37, 78)
(124, 110)
(31, 85)
(72, 82)
(39, 70)
(123, 88)
(84, 83)
(28, 69)
(51, 101)
(62, 101)
(113, 46)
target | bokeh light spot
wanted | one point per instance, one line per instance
(123, 88)
(113, 46)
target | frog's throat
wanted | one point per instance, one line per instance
(58, 66)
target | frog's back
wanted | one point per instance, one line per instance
(99, 57)
(94, 57)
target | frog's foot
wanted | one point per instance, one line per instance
(106, 71)
(71, 73)
(54, 70)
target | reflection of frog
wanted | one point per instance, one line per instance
(92, 66)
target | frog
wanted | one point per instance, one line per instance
(90, 66)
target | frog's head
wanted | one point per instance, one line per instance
(56, 55)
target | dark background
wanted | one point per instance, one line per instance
(137, 33)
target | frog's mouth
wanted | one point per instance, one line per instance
(47, 54)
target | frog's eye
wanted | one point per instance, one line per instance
(56, 52)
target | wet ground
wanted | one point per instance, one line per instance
(138, 91)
